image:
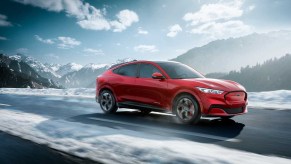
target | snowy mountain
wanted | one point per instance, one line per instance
(68, 75)
(68, 68)
(42, 69)
(234, 53)
(18, 74)
(83, 77)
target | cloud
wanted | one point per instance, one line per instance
(218, 20)
(251, 8)
(88, 17)
(46, 41)
(52, 55)
(142, 31)
(173, 30)
(125, 19)
(67, 42)
(223, 30)
(3, 21)
(22, 50)
(3, 38)
(213, 12)
(146, 48)
(91, 51)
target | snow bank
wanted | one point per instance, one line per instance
(110, 145)
(279, 100)
(74, 92)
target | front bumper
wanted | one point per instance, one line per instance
(223, 105)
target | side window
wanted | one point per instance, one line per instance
(146, 70)
(127, 70)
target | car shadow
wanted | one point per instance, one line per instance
(164, 124)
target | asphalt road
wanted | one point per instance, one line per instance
(262, 131)
(16, 150)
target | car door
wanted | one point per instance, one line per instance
(124, 82)
(150, 91)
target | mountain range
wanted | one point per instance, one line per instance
(233, 53)
(273, 74)
(19, 74)
(216, 58)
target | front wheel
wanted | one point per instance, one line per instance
(187, 109)
(107, 102)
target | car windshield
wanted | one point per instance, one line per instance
(179, 70)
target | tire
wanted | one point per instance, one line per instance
(187, 109)
(107, 102)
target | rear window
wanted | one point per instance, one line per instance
(127, 70)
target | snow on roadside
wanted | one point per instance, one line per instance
(280, 99)
(111, 145)
(74, 92)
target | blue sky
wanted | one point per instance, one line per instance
(102, 31)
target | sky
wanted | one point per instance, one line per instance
(103, 31)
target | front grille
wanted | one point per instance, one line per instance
(235, 97)
(234, 110)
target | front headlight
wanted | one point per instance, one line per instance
(207, 90)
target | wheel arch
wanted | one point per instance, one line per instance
(192, 94)
(107, 87)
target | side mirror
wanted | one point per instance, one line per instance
(157, 75)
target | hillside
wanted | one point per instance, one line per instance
(18, 74)
(84, 78)
(234, 53)
(274, 74)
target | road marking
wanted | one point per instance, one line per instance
(208, 136)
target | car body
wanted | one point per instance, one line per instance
(168, 86)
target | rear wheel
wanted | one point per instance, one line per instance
(187, 109)
(107, 102)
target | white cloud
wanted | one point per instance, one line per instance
(142, 31)
(46, 41)
(91, 51)
(146, 48)
(218, 20)
(223, 30)
(88, 17)
(251, 8)
(52, 55)
(67, 42)
(3, 21)
(3, 38)
(173, 30)
(213, 12)
(125, 19)
(22, 50)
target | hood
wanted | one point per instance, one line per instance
(224, 85)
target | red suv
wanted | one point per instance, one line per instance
(167, 86)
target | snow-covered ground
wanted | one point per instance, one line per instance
(110, 145)
(280, 99)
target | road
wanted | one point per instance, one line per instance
(261, 131)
